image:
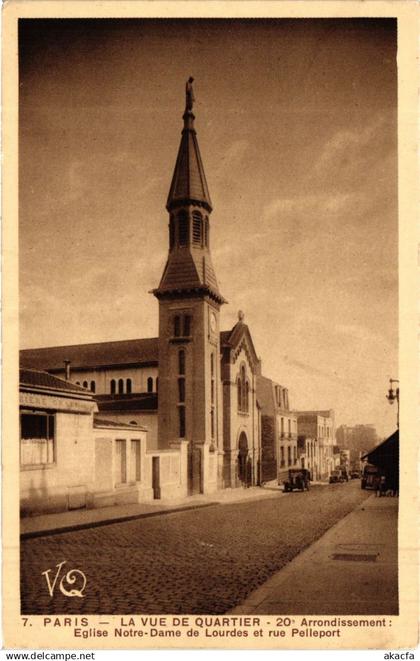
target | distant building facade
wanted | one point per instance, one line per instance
(317, 427)
(279, 438)
(358, 439)
(309, 455)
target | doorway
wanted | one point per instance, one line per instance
(242, 458)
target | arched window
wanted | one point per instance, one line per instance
(171, 232)
(212, 396)
(197, 228)
(150, 384)
(120, 386)
(77, 383)
(182, 429)
(187, 325)
(181, 390)
(181, 393)
(181, 361)
(85, 384)
(113, 387)
(243, 391)
(182, 229)
(93, 386)
(128, 386)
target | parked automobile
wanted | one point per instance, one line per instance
(354, 475)
(336, 476)
(298, 478)
(370, 477)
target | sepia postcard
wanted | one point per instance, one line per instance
(209, 310)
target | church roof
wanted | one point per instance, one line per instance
(87, 356)
(140, 352)
(189, 181)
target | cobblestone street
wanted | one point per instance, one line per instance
(201, 561)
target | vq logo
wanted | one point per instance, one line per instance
(70, 578)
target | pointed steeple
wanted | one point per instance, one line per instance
(189, 183)
(189, 269)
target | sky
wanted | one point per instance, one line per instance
(297, 127)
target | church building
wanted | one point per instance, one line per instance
(194, 386)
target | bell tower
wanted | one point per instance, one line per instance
(190, 397)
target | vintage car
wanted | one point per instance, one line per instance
(336, 476)
(298, 479)
(370, 477)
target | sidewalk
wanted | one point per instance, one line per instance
(351, 569)
(52, 524)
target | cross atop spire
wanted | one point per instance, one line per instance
(189, 185)
(189, 94)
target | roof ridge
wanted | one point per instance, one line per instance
(87, 344)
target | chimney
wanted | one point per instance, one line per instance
(67, 369)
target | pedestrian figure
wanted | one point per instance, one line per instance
(382, 485)
(377, 484)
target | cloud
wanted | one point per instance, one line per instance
(232, 157)
(348, 157)
(335, 202)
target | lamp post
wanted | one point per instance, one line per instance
(394, 395)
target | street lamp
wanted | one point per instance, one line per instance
(392, 396)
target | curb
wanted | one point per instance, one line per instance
(105, 522)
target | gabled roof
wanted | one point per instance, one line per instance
(189, 181)
(44, 381)
(235, 338)
(386, 452)
(87, 356)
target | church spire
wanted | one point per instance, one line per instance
(189, 183)
(189, 269)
